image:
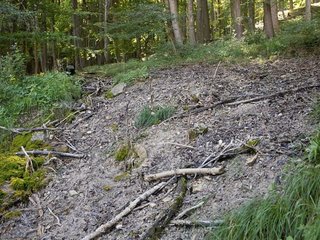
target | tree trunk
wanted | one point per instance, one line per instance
(203, 26)
(175, 23)
(105, 38)
(251, 13)
(237, 18)
(76, 35)
(308, 10)
(274, 15)
(267, 19)
(191, 32)
(44, 50)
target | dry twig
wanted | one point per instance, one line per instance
(104, 227)
(188, 210)
(44, 152)
(29, 164)
(185, 171)
(196, 223)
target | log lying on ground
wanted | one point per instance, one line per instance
(104, 227)
(60, 154)
(185, 171)
(196, 223)
(155, 231)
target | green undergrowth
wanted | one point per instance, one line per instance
(289, 211)
(17, 183)
(151, 116)
(297, 37)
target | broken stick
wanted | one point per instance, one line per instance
(196, 223)
(155, 231)
(60, 154)
(104, 227)
(185, 171)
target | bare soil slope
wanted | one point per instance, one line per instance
(83, 193)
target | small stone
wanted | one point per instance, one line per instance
(73, 193)
(89, 132)
(38, 136)
(140, 151)
(118, 89)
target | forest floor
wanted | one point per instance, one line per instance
(84, 193)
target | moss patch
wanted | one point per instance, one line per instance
(11, 214)
(25, 140)
(121, 176)
(16, 184)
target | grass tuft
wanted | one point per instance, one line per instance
(151, 116)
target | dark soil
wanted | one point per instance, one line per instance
(84, 194)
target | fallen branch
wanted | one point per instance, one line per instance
(37, 129)
(180, 145)
(197, 223)
(185, 171)
(294, 90)
(155, 231)
(60, 154)
(233, 101)
(189, 210)
(103, 228)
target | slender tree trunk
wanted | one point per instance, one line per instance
(76, 35)
(274, 15)
(237, 18)
(175, 24)
(105, 38)
(203, 25)
(191, 32)
(308, 10)
(35, 57)
(44, 52)
(267, 19)
(251, 13)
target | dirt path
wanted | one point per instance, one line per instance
(77, 192)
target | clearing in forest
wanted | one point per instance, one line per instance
(212, 125)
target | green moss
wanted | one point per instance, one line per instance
(11, 166)
(20, 140)
(195, 132)
(121, 176)
(107, 188)
(22, 183)
(114, 127)
(108, 94)
(25, 141)
(11, 214)
(122, 152)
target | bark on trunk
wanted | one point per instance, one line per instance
(175, 24)
(76, 35)
(308, 10)
(274, 15)
(251, 11)
(267, 19)
(237, 18)
(191, 32)
(105, 38)
(203, 26)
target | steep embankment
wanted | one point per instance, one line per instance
(85, 193)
